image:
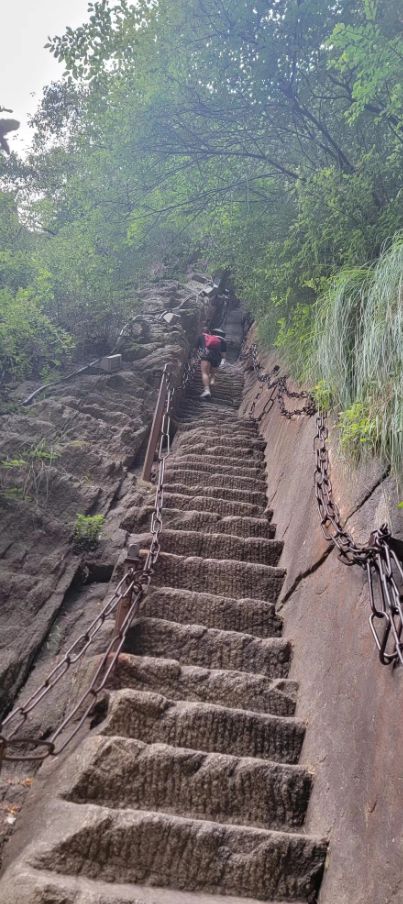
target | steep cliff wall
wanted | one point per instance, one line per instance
(351, 703)
(76, 450)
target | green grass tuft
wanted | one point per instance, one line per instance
(357, 350)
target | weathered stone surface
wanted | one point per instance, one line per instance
(250, 616)
(209, 647)
(136, 846)
(218, 546)
(226, 576)
(239, 690)
(188, 789)
(351, 702)
(74, 447)
(209, 786)
(155, 719)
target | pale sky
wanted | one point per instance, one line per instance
(25, 67)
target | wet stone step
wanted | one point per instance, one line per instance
(217, 477)
(210, 648)
(233, 459)
(248, 616)
(211, 522)
(231, 494)
(236, 690)
(234, 440)
(221, 546)
(219, 446)
(203, 726)
(165, 850)
(201, 464)
(225, 577)
(129, 774)
(203, 503)
(46, 888)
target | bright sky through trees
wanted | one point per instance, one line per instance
(25, 65)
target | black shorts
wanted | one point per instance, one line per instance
(214, 358)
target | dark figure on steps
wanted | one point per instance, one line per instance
(212, 347)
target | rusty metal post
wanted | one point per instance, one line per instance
(121, 613)
(156, 425)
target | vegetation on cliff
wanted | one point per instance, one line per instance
(264, 136)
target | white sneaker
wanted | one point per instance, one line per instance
(206, 394)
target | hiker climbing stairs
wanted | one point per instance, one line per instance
(191, 787)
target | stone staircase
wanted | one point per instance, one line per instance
(191, 788)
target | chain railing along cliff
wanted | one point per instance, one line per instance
(381, 558)
(123, 605)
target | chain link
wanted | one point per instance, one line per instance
(131, 588)
(381, 557)
(279, 385)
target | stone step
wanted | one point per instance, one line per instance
(248, 462)
(211, 522)
(231, 494)
(228, 438)
(219, 416)
(128, 774)
(248, 616)
(155, 719)
(187, 444)
(221, 546)
(225, 577)
(201, 464)
(203, 503)
(33, 887)
(220, 395)
(210, 648)
(234, 690)
(160, 849)
(189, 476)
(213, 426)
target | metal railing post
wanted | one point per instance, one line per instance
(156, 425)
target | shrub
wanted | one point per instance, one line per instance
(87, 531)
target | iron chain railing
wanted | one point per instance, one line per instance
(126, 599)
(381, 557)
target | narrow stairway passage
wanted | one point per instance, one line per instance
(192, 783)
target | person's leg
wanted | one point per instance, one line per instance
(213, 376)
(205, 368)
(205, 373)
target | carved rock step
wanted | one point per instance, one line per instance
(249, 462)
(219, 476)
(128, 774)
(236, 690)
(187, 607)
(230, 493)
(232, 439)
(207, 447)
(203, 464)
(32, 887)
(206, 503)
(221, 576)
(193, 403)
(221, 546)
(210, 522)
(203, 726)
(156, 848)
(230, 428)
(209, 647)
(218, 418)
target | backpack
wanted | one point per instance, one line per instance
(212, 342)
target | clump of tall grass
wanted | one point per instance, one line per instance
(357, 346)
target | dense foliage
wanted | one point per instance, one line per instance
(264, 135)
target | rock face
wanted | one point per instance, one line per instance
(70, 453)
(75, 450)
(351, 701)
(190, 787)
